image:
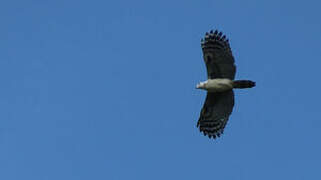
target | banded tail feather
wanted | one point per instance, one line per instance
(241, 84)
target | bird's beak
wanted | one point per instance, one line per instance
(198, 86)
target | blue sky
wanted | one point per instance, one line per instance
(106, 90)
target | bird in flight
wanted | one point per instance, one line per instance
(221, 70)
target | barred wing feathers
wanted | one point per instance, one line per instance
(219, 64)
(218, 56)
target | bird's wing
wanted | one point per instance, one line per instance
(215, 113)
(218, 56)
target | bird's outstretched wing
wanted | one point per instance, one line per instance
(219, 64)
(215, 113)
(218, 56)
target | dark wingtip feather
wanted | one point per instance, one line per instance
(215, 32)
(212, 128)
(215, 40)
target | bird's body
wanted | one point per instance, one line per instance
(216, 85)
(220, 84)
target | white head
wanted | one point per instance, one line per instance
(201, 85)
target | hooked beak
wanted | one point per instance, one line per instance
(200, 85)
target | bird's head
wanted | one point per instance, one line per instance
(201, 85)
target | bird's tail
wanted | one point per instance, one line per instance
(241, 84)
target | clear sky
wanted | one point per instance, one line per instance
(105, 90)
